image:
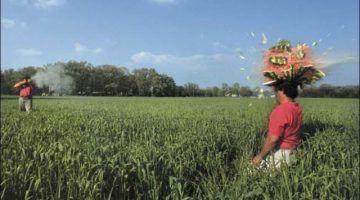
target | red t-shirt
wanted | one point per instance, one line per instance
(26, 90)
(285, 122)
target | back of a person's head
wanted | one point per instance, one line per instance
(289, 88)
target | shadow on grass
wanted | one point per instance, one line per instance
(50, 98)
(35, 98)
(8, 97)
(311, 128)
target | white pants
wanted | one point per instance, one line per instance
(25, 104)
(276, 158)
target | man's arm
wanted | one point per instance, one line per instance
(20, 83)
(269, 144)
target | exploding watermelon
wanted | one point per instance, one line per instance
(295, 64)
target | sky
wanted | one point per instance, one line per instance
(207, 42)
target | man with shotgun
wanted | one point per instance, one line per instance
(25, 94)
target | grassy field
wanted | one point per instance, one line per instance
(172, 148)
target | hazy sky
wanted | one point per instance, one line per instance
(207, 42)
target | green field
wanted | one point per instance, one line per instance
(172, 148)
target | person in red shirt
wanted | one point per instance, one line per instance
(25, 94)
(284, 128)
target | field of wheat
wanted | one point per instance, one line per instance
(172, 148)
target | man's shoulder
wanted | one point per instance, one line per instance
(283, 108)
(279, 109)
(287, 108)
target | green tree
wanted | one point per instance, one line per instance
(235, 89)
(111, 76)
(8, 79)
(245, 91)
(80, 72)
(144, 79)
(191, 89)
(225, 89)
(180, 91)
(163, 85)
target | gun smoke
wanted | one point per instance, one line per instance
(54, 78)
(336, 61)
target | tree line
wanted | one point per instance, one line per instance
(331, 91)
(111, 80)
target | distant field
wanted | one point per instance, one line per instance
(172, 148)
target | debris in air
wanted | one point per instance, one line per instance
(264, 39)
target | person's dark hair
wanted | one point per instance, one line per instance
(289, 88)
(27, 77)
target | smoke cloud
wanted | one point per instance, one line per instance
(329, 62)
(54, 77)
